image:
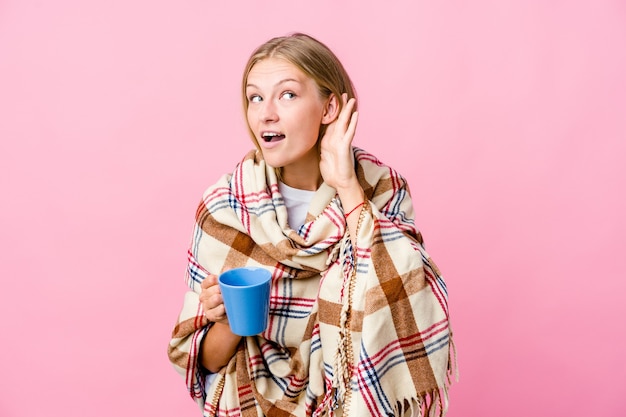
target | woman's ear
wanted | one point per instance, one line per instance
(331, 110)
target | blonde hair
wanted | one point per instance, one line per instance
(313, 58)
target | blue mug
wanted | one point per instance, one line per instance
(246, 294)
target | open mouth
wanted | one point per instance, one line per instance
(272, 137)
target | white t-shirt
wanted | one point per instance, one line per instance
(297, 203)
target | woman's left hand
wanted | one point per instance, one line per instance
(337, 159)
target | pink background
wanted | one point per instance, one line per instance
(507, 117)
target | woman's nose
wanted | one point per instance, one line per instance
(268, 112)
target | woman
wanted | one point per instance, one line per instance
(358, 311)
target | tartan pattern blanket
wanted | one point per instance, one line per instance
(352, 332)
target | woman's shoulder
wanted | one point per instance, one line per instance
(374, 166)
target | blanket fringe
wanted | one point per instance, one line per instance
(430, 404)
(453, 368)
(344, 356)
(343, 359)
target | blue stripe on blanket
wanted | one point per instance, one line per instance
(372, 380)
(366, 364)
(197, 275)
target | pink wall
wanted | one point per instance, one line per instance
(506, 116)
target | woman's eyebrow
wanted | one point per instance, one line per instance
(277, 84)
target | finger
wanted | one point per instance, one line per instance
(347, 107)
(211, 298)
(210, 302)
(346, 113)
(209, 281)
(207, 296)
(216, 299)
(216, 314)
(352, 126)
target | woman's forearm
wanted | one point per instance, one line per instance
(352, 199)
(218, 346)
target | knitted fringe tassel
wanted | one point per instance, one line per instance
(432, 404)
(344, 356)
(343, 360)
(453, 368)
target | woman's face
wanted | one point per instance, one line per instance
(285, 112)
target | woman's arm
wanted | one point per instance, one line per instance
(217, 347)
(352, 199)
(220, 343)
(337, 164)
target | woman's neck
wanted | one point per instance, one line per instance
(302, 178)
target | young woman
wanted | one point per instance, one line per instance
(358, 311)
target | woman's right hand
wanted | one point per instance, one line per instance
(212, 302)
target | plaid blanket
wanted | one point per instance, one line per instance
(352, 332)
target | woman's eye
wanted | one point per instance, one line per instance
(254, 99)
(289, 95)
